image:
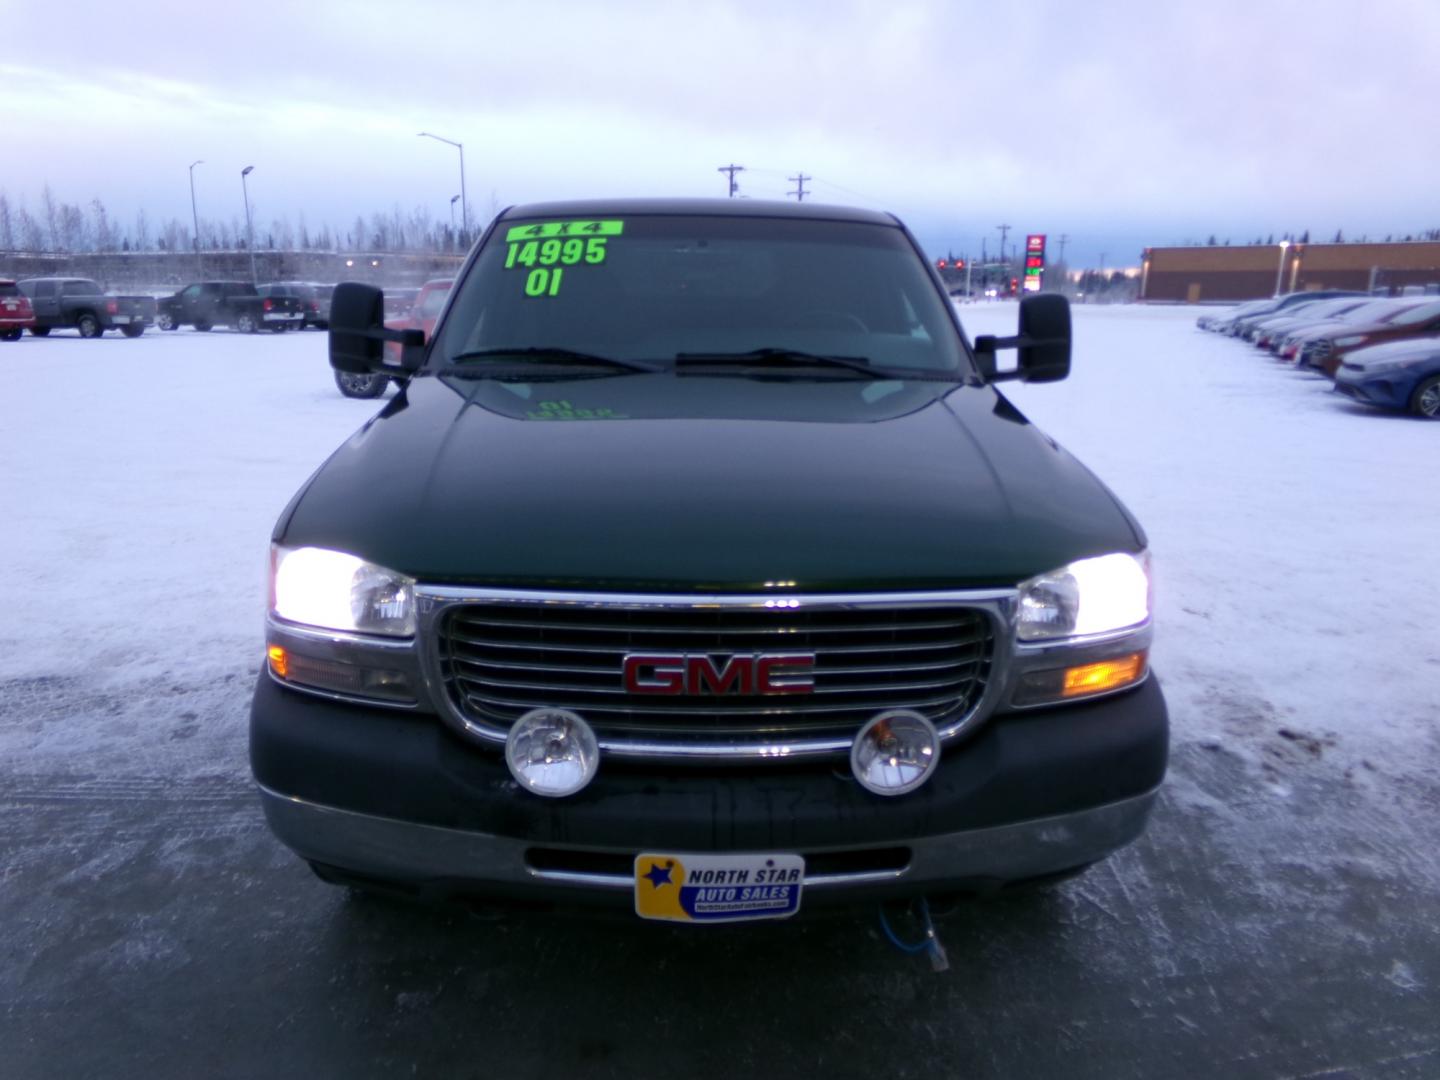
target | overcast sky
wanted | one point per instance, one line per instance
(1120, 124)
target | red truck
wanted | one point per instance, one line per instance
(16, 314)
(421, 316)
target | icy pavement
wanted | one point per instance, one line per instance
(1280, 917)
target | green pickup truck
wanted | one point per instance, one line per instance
(701, 567)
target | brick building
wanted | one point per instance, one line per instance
(1196, 274)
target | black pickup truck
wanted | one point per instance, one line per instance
(236, 304)
(80, 304)
(700, 564)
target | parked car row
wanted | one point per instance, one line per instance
(1381, 351)
(41, 305)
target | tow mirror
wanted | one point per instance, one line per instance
(358, 333)
(1043, 343)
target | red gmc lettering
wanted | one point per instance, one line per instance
(738, 670)
(786, 674)
(684, 673)
(655, 674)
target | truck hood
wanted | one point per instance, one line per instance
(706, 483)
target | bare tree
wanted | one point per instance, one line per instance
(72, 228)
(52, 218)
(7, 226)
(32, 235)
(103, 231)
(142, 231)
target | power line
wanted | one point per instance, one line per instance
(732, 170)
(799, 191)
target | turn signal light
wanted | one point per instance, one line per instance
(1106, 675)
(279, 661)
(1084, 680)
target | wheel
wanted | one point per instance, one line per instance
(88, 325)
(133, 330)
(1425, 401)
(202, 325)
(166, 321)
(11, 335)
(361, 386)
(279, 329)
(245, 323)
(838, 319)
(40, 331)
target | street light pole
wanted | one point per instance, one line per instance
(453, 200)
(464, 205)
(249, 228)
(1280, 272)
(195, 215)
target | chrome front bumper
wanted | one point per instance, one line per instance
(452, 860)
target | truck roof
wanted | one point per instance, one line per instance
(583, 208)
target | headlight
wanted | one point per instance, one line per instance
(336, 591)
(1348, 340)
(1375, 367)
(1091, 596)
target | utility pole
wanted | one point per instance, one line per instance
(1003, 230)
(1064, 239)
(732, 170)
(799, 191)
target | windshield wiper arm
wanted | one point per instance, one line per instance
(552, 354)
(776, 355)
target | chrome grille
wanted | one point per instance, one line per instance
(500, 659)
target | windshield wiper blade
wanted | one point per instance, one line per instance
(776, 355)
(552, 354)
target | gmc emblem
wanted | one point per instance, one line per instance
(696, 673)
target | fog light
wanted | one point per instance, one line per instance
(552, 752)
(895, 752)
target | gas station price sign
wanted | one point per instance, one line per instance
(1034, 261)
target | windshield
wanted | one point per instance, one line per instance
(1418, 314)
(655, 287)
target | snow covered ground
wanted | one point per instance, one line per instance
(1293, 536)
(1280, 916)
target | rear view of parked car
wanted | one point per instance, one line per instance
(308, 297)
(236, 304)
(80, 304)
(16, 315)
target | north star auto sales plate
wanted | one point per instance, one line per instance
(717, 888)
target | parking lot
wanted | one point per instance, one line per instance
(1279, 918)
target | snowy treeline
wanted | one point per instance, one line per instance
(63, 227)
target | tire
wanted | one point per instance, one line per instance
(202, 325)
(166, 321)
(1425, 401)
(40, 331)
(133, 330)
(245, 323)
(88, 325)
(11, 335)
(361, 386)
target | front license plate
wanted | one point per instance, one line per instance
(717, 888)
